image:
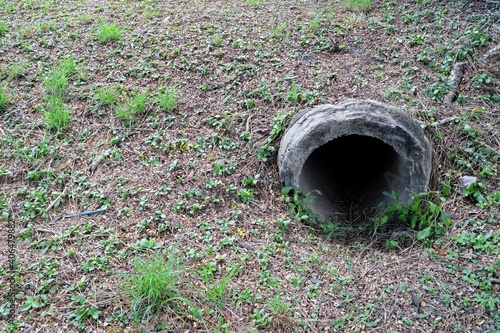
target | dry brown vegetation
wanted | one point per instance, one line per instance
(162, 119)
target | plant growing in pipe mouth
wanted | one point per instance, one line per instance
(298, 203)
(424, 213)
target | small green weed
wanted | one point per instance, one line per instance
(83, 311)
(95, 263)
(108, 33)
(123, 112)
(279, 124)
(278, 29)
(422, 214)
(138, 103)
(478, 191)
(85, 19)
(47, 26)
(217, 291)
(56, 79)
(245, 194)
(4, 171)
(295, 95)
(437, 90)
(146, 244)
(278, 306)
(480, 242)
(481, 80)
(315, 23)
(391, 244)
(40, 151)
(281, 315)
(474, 152)
(298, 203)
(36, 302)
(217, 40)
(69, 67)
(13, 326)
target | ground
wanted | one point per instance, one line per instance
(161, 120)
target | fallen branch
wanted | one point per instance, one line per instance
(456, 75)
(99, 159)
(491, 61)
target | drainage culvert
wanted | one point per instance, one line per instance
(353, 152)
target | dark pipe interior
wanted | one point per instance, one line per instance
(352, 169)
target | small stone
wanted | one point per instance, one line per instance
(466, 181)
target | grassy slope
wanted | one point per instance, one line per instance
(175, 180)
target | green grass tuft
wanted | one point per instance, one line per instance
(357, 5)
(108, 33)
(56, 80)
(135, 106)
(15, 70)
(138, 103)
(56, 83)
(106, 96)
(69, 67)
(4, 28)
(57, 115)
(123, 113)
(154, 286)
(168, 99)
(4, 99)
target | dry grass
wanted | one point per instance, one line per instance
(185, 176)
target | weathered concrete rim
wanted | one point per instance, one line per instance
(313, 128)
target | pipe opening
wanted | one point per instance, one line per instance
(352, 171)
(353, 152)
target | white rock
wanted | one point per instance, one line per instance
(466, 181)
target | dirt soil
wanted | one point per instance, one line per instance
(189, 180)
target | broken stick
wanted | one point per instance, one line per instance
(456, 75)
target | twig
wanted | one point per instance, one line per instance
(56, 200)
(29, 329)
(46, 231)
(444, 121)
(247, 126)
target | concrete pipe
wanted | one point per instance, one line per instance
(353, 152)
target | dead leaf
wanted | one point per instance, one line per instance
(439, 250)
(246, 246)
(226, 315)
